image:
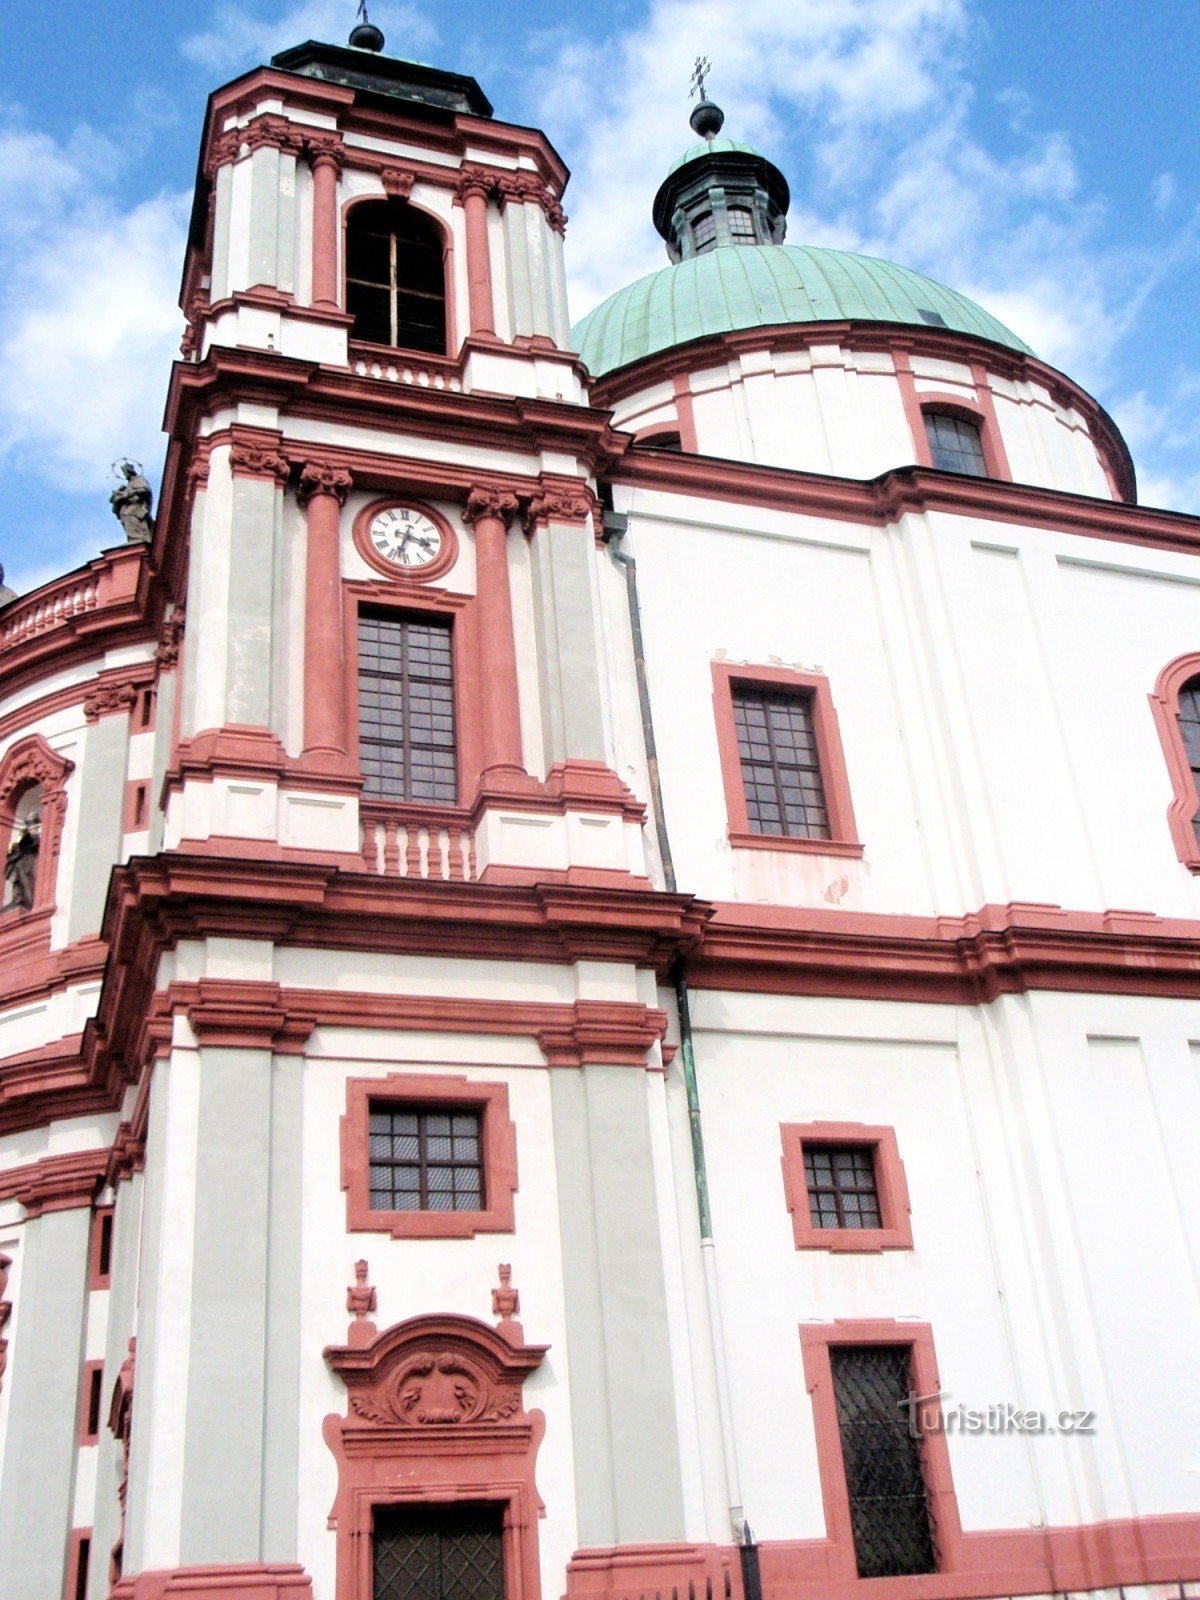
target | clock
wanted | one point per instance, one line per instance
(405, 537)
(405, 541)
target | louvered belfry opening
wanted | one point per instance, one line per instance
(889, 1506)
(438, 1553)
(395, 277)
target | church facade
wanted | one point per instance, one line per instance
(600, 958)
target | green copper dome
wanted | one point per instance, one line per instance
(769, 286)
(714, 147)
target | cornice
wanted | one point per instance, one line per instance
(55, 1183)
(877, 502)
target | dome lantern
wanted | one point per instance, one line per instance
(719, 192)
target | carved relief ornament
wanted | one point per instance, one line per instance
(324, 144)
(558, 505)
(171, 638)
(475, 180)
(487, 502)
(322, 477)
(109, 697)
(258, 461)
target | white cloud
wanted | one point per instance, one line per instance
(88, 319)
(1163, 191)
(240, 36)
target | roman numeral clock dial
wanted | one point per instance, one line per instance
(405, 538)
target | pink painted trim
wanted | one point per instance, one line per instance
(136, 811)
(416, 1089)
(1185, 802)
(91, 1402)
(816, 1339)
(499, 705)
(100, 1248)
(993, 437)
(948, 403)
(686, 412)
(324, 661)
(446, 557)
(252, 1581)
(79, 1554)
(843, 840)
(324, 231)
(890, 1183)
(479, 263)
(28, 764)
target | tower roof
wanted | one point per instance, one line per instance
(767, 286)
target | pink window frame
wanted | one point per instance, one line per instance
(1185, 802)
(890, 1184)
(982, 412)
(843, 834)
(424, 1091)
(816, 1341)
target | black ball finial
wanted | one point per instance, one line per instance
(366, 36)
(707, 119)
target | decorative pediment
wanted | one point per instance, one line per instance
(435, 1372)
(30, 761)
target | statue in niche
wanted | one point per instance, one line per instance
(131, 502)
(20, 865)
(7, 595)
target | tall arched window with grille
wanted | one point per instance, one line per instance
(396, 277)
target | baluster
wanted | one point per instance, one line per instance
(412, 856)
(370, 845)
(435, 853)
(456, 854)
(391, 848)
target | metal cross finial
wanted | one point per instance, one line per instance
(699, 72)
(361, 13)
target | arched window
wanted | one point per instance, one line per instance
(395, 277)
(955, 444)
(1175, 703)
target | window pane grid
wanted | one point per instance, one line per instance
(842, 1188)
(889, 1509)
(406, 709)
(395, 278)
(954, 444)
(704, 231)
(741, 225)
(425, 1160)
(781, 770)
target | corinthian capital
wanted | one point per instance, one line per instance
(322, 477)
(324, 144)
(475, 180)
(273, 132)
(258, 461)
(558, 505)
(485, 502)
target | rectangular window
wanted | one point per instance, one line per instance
(425, 1159)
(406, 709)
(889, 1507)
(438, 1553)
(704, 232)
(955, 444)
(781, 769)
(741, 225)
(842, 1191)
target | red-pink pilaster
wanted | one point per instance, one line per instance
(323, 490)
(474, 187)
(325, 153)
(490, 511)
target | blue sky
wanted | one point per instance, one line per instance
(1041, 158)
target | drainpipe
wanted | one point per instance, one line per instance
(616, 526)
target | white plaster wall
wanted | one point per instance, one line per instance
(832, 410)
(1055, 1207)
(991, 683)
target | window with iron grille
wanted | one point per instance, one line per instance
(406, 709)
(395, 277)
(842, 1187)
(1189, 732)
(781, 770)
(425, 1158)
(438, 1553)
(955, 444)
(704, 232)
(741, 225)
(889, 1508)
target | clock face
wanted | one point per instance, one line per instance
(404, 537)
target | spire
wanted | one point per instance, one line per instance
(365, 35)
